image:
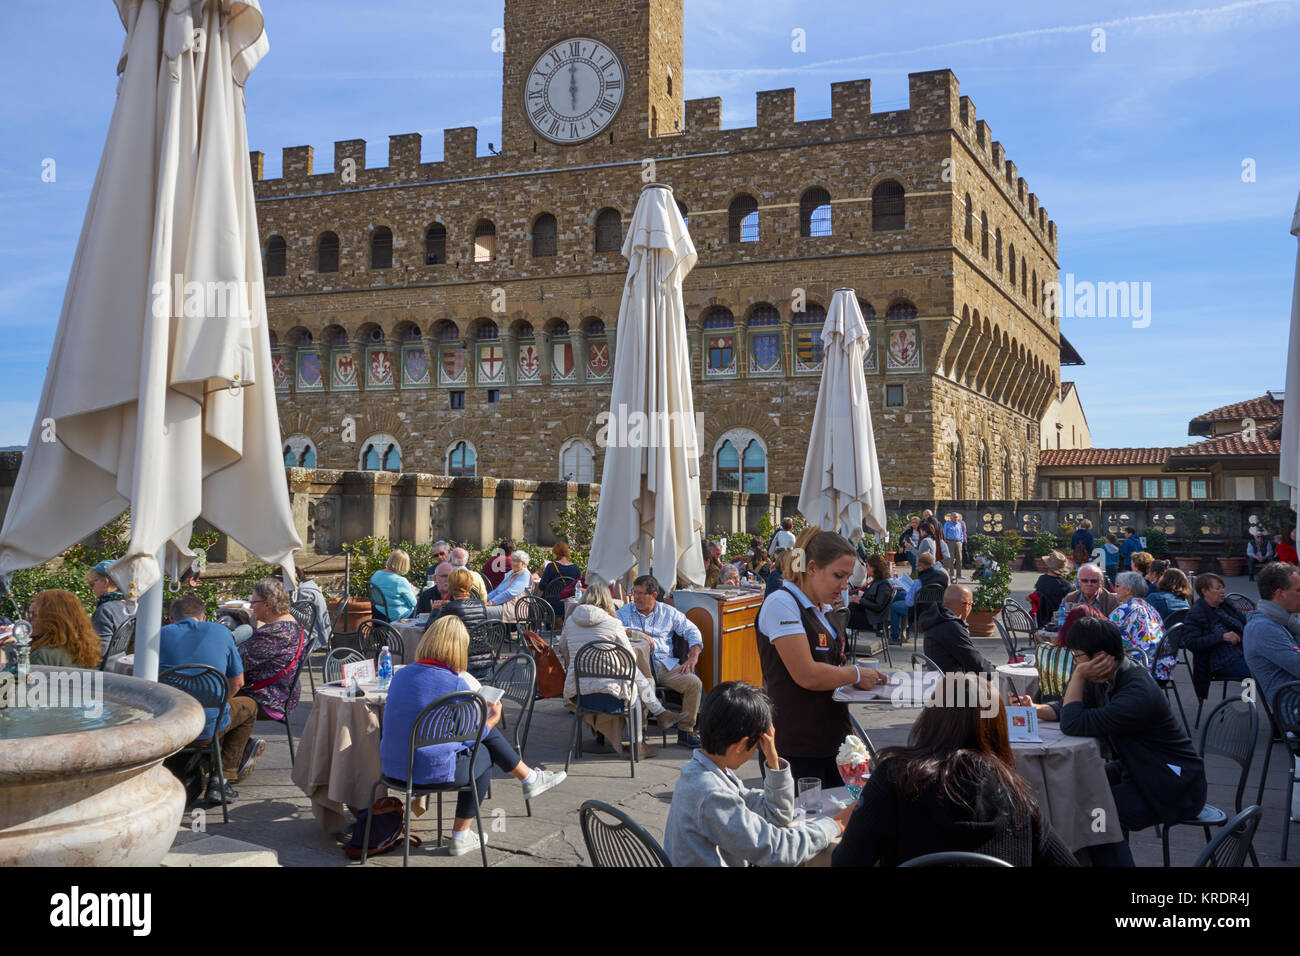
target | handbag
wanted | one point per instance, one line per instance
(550, 672)
(1081, 554)
(385, 832)
(1055, 665)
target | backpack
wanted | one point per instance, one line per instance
(385, 832)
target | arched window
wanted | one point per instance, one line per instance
(380, 453)
(327, 253)
(577, 461)
(902, 310)
(868, 310)
(1006, 474)
(815, 213)
(808, 338)
(609, 230)
(984, 471)
(486, 331)
(740, 462)
(1027, 487)
(1024, 279)
(997, 250)
(276, 256)
(446, 331)
(381, 248)
(955, 478)
(887, 207)
(435, 244)
(742, 219)
(544, 235)
(1011, 263)
(485, 241)
(970, 220)
(462, 462)
(984, 234)
(764, 340)
(299, 452)
(1034, 287)
(720, 341)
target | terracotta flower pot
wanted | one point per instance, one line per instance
(1233, 567)
(358, 611)
(1188, 565)
(981, 623)
(1040, 565)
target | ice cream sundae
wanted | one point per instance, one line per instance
(853, 761)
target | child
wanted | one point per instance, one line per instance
(715, 820)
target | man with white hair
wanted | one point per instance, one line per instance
(460, 559)
(438, 593)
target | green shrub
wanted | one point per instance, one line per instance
(1157, 542)
(575, 526)
(1044, 543)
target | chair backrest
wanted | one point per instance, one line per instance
(1176, 618)
(1239, 601)
(455, 718)
(304, 612)
(605, 660)
(373, 636)
(205, 684)
(516, 677)
(1231, 845)
(332, 669)
(862, 735)
(922, 663)
(535, 614)
(954, 858)
(623, 843)
(378, 603)
(932, 593)
(1055, 665)
(556, 586)
(1167, 649)
(1017, 619)
(1286, 708)
(1008, 641)
(488, 636)
(120, 641)
(1231, 731)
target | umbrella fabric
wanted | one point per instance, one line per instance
(1289, 471)
(650, 484)
(841, 476)
(159, 393)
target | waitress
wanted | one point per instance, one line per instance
(802, 655)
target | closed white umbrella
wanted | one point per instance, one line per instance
(159, 395)
(1289, 471)
(841, 476)
(650, 484)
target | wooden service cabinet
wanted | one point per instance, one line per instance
(725, 618)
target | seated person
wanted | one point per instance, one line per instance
(432, 598)
(660, 621)
(1259, 552)
(1213, 631)
(1157, 776)
(1153, 575)
(774, 578)
(561, 569)
(1272, 636)
(191, 639)
(715, 820)
(395, 591)
(272, 654)
(463, 604)
(729, 576)
(947, 637)
(1077, 613)
(870, 608)
(1141, 561)
(928, 572)
(516, 583)
(1139, 624)
(110, 604)
(61, 632)
(1051, 587)
(1172, 595)
(984, 567)
(460, 559)
(309, 590)
(1090, 591)
(954, 787)
(595, 620)
(442, 656)
(496, 567)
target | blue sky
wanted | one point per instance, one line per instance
(1136, 151)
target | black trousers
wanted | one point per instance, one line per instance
(823, 768)
(495, 749)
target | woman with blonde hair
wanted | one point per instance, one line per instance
(463, 605)
(442, 656)
(61, 631)
(594, 620)
(398, 595)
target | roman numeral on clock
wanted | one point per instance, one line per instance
(575, 48)
(608, 105)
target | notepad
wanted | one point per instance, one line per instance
(1022, 725)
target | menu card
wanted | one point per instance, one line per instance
(363, 671)
(1022, 725)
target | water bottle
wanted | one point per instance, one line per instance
(1060, 616)
(577, 591)
(385, 669)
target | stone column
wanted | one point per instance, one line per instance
(510, 353)
(579, 339)
(543, 341)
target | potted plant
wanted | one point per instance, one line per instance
(1044, 543)
(993, 590)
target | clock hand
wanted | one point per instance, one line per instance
(573, 85)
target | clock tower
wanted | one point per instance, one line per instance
(579, 77)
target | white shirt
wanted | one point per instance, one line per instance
(783, 539)
(780, 615)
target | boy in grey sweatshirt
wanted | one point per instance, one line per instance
(715, 820)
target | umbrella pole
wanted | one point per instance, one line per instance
(148, 624)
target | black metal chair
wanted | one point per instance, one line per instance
(1240, 602)
(486, 639)
(374, 635)
(516, 677)
(1009, 642)
(533, 613)
(1235, 842)
(456, 718)
(1168, 647)
(297, 676)
(1231, 731)
(1018, 622)
(378, 604)
(930, 594)
(610, 662)
(954, 858)
(120, 641)
(862, 735)
(1286, 717)
(208, 686)
(622, 844)
(1176, 617)
(331, 669)
(304, 612)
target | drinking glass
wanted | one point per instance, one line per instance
(810, 795)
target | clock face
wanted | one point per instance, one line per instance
(574, 90)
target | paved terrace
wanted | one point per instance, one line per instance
(276, 816)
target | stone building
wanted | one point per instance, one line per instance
(459, 317)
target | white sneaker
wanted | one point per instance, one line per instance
(546, 779)
(468, 845)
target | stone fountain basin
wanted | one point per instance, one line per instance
(98, 797)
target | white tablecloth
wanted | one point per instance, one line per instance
(1020, 678)
(1069, 777)
(338, 754)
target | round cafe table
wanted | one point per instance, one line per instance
(1068, 775)
(1021, 679)
(833, 801)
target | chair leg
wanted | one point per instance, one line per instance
(478, 819)
(440, 820)
(289, 731)
(1164, 842)
(1263, 774)
(1181, 712)
(631, 739)
(1200, 702)
(1286, 807)
(370, 818)
(221, 780)
(575, 738)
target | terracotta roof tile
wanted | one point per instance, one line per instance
(1229, 446)
(1050, 457)
(1263, 408)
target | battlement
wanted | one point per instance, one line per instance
(935, 105)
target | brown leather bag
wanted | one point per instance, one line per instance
(550, 672)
